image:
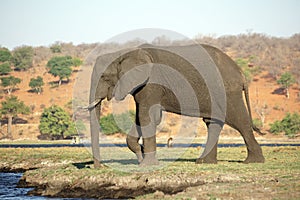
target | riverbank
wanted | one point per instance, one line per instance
(68, 172)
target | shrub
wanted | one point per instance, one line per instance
(56, 123)
(5, 68)
(5, 55)
(22, 58)
(290, 125)
(120, 123)
(36, 84)
(77, 62)
(258, 123)
(55, 48)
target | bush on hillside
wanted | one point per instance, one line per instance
(120, 123)
(60, 66)
(290, 125)
(5, 55)
(22, 58)
(56, 123)
(5, 68)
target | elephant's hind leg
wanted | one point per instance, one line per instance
(240, 120)
(209, 154)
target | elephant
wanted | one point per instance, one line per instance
(194, 80)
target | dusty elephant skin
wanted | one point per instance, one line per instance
(197, 80)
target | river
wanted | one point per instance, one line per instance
(8, 190)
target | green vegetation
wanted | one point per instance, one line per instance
(55, 48)
(64, 169)
(286, 80)
(120, 123)
(22, 58)
(56, 123)
(36, 84)
(60, 66)
(5, 68)
(77, 62)
(5, 55)
(10, 83)
(11, 107)
(258, 123)
(290, 125)
(248, 68)
(60, 61)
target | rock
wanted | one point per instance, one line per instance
(158, 194)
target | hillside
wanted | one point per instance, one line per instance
(265, 94)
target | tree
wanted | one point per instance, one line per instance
(55, 48)
(77, 62)
(286, 80)
(5, 55)
(22, 58)
(60, 61)
(56, 123)
(11, 107)
(36, 84)
(60, 66)
(5, 68)
(10, 83)
(262, 111)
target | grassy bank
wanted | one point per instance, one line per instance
(68, 172)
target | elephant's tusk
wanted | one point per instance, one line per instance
(91, 105)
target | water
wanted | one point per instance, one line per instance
(8, 190)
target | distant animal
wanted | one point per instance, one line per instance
(170, 142)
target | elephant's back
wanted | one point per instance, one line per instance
(192, 59)
(231, 73)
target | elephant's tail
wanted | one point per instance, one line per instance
(246, 92)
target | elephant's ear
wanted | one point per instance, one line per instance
(132, 80)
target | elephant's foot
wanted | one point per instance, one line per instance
(139, 157)
(206, 160)
(255, 159)
(97, 164)
(149, 160)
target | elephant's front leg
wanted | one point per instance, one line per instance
(209, 154)
(149, 117)
(132, 140)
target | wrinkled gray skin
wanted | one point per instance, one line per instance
(108, 83)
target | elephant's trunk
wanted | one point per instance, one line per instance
(94, 126)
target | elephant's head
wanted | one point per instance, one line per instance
(110, 79)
